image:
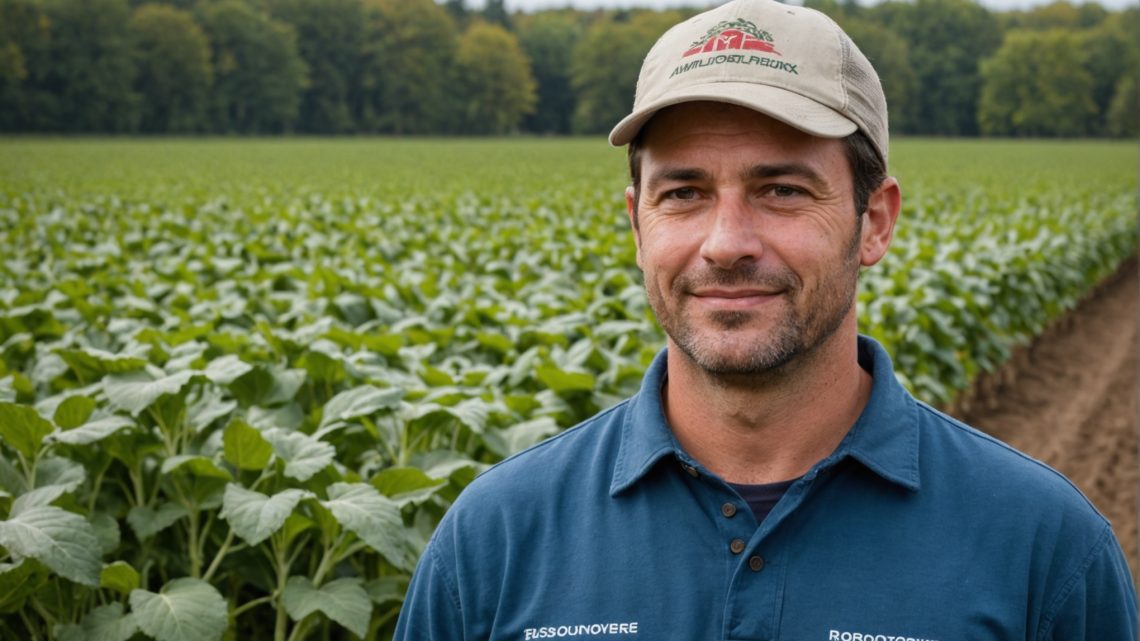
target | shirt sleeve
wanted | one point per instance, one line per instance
(1099, 603)
(431, 610)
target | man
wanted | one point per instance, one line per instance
(771, 480)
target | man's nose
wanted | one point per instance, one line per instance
(732, 235)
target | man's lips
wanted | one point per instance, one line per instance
(735, 298)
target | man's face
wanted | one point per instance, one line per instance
(747, 236)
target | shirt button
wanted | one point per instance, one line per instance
(728, 509)
(756, 563)
(737, 546)
(691, 470)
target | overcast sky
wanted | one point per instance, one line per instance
(527, 5)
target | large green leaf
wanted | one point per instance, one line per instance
(146, 521)
(89, 363)
(360, 401)
(56, 470)
(374, 518)
(73, 412)
(562, 381)
(520, 436)
(94, 431)
(7, 390)
(226, 369)
(136, 391)
(304, 455)
(472, 412)
(387, 589)
(184, 610)
(208, 405)
(342, 600)
(11, 479)
(255, 516)
(199, 466)
(40, 496)
(104, 623)
(61, 540)
(245, 447)
(120, 577)
(107, 531)
(406, 485)
(23, 428)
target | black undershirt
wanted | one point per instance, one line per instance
(763, 497)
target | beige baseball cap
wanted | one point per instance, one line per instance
(791, 63)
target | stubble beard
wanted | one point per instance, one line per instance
(714, 345)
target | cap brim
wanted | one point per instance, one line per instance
(791, 108)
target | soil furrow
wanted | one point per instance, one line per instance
(1072, 401)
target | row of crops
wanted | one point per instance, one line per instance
(241, 382)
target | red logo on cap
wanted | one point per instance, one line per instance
(737, 34)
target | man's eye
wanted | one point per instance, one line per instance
(684, 193)
(784, 191)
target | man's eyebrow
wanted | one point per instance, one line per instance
(787, 169)
(674, 174)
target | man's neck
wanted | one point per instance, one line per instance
(771, 428)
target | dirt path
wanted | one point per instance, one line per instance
(1072, 400)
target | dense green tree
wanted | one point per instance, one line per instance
(947, 39)
(605, 65)
(330, 40)
(1112, 52)
(400, 66)
(172, 57)
(496, 87)
(495, 12)
(88, 74)
(1056, 15)
(1124, 111)
(458, 10)
(21, 35)
(258, 74)
(1037, 85)
(890, 56)
(409, 75)
(548, 39)
(1109, 55)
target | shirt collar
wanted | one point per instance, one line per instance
(884, 438)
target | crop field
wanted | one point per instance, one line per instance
(241, 380)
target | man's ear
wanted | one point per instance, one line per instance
(879, 224)
(631, 211)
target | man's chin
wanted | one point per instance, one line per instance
(752, 357)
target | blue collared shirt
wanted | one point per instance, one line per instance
(917, 527)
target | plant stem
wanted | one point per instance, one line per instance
(222, 551)
(47, 617)
(171, 447)
(298, 629)
(266, 473)
(28, 624)
(204, 535)
(328, 559)
(252, 604)
(282, 563)
(137, 481)
(192, 544)
(97, 485)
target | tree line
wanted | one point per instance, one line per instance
(417, 67)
